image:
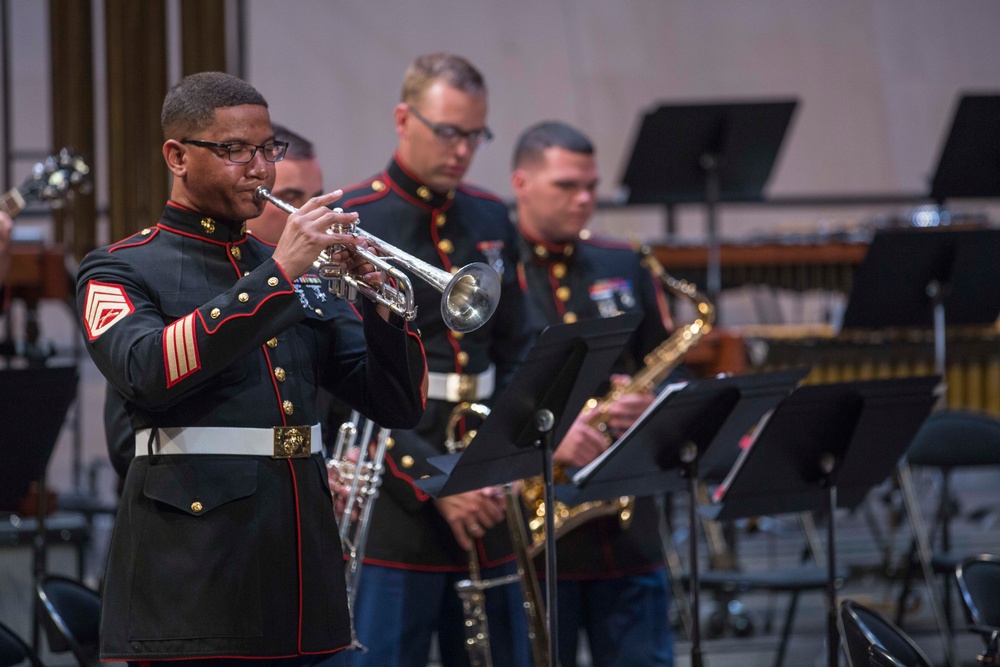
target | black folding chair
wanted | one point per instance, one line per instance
(871, 639)
(14, 650)
(949, 439)
(979, 584)
(71, 618)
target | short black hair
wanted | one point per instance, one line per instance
(533, 141)
(190, 105)
(299, 148)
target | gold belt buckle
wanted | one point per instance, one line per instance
(467, 387)
(292, 442)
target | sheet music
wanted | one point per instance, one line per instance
(585, 472)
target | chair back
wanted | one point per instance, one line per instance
(956, 438)
(14, 650)
(71, 618)
(869, 639)
(979, 580)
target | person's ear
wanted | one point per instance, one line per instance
(175, 155)
(401, 118)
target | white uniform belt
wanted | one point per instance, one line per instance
(455, 387)
(276, 442)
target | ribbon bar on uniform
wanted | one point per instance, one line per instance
(276, 442)
(455, 387)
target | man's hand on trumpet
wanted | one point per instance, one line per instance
(309, 231)
(472, 513)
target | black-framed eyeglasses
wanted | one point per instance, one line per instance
(449, 135)
(241, 152)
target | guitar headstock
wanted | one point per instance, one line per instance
(54, 178)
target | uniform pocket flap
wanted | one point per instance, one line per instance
(196, 488)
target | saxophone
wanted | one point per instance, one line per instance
(657, 365)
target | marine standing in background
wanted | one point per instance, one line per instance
(612, 579)
(418, 546)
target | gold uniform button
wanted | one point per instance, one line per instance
(279, 373)
(272, 343)
(541, 251)
(288, 407)
(440, 220)
(424, 193)
(446, 246)
(272, 281)
(243, 297)
(462, 358)
(215, 313)
(236, 253)
(208, 225)
(457, 335)
(569, 318)
(568, 251)
(559, 270)
(196, 506)
(407, 461)
(563, 293)
(146, 232)
(378, 186)
(389, 443)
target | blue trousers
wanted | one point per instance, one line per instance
(397, 612)
(626, 621)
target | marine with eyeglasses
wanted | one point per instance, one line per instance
(418, 546)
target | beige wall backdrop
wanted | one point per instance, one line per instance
(876, 80)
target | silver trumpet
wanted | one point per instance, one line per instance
(469, 297)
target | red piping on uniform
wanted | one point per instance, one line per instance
(554, 284)
(142, 241)
(522, 278)
(250, 314)
(274, 382)
(421, 496)
(298, 543)
(475, 191)
(167, 228)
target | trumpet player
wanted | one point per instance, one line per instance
(224, 542)
(612, 580)
(418, 547)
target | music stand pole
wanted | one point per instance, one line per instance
(689, 456)
(544, 421)
(936, 291)
(709, 162)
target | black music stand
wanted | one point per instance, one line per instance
(824, 447)
(707, 153)
(33, 405)
(703, 420)
(923, 277)
(969, 165)
(561, 372)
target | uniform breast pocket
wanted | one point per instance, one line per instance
(197, 559)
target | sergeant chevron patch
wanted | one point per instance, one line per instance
(105, 306)
(180, 350)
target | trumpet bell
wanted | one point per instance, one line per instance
(470, 297)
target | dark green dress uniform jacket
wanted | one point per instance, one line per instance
(195, 325)
(579, 281)
(445, 230)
